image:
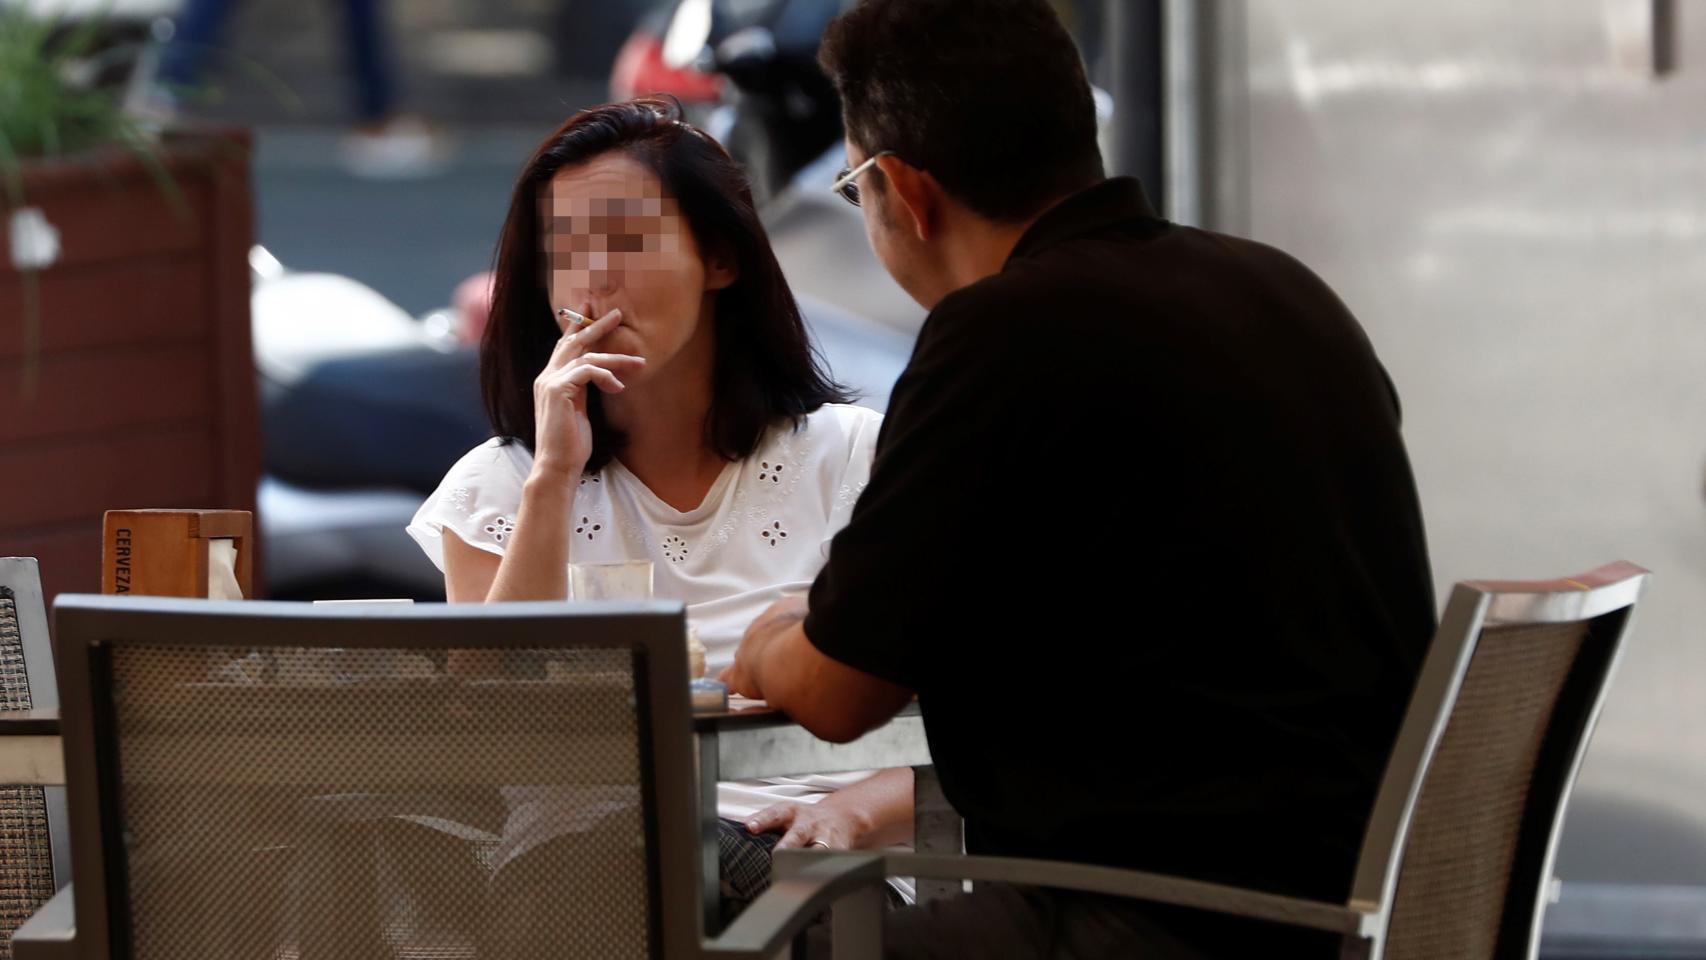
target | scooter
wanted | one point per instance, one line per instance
(363, 408)
(747, 71)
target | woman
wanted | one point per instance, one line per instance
(686, 422)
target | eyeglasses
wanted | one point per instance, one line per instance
(847, 184)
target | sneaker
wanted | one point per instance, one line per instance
(401, 147)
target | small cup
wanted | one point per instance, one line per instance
(708, 695)
(624, 580)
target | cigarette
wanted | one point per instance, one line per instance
(573, 317)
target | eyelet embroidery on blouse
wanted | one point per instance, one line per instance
(757, 504)
(457, 497)
(589, 528)
(674, 549)
(849, 493)
(597, 478)
(500, 528)
(774, 534)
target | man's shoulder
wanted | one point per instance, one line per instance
(1181, 274)
(1138, 258)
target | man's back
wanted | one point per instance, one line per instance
(1150, 554)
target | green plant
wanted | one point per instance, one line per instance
(46, 111)
(51, 106)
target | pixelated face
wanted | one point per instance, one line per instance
(613, 240)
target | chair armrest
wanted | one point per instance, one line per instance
(30, 723)
(30, 749)
(50, 933)
(1152, 887)
(793, 901)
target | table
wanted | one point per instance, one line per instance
(752, 740)
(748, 741)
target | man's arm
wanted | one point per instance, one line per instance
(778, 663)
(960, 411)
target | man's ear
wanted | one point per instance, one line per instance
(919, 194)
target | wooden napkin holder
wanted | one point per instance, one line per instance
(164, 553)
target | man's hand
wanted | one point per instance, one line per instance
(777, 663)
(741, 676)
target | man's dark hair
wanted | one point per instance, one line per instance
(987, 96)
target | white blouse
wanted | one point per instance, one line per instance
(762, 531)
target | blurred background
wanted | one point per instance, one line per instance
(1511, 197)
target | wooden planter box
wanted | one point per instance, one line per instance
(145, 393)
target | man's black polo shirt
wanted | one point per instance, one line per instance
(1142, 534)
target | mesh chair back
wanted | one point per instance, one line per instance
(274, 800)
(26, 848)
(1462, 847)
(1516, 677)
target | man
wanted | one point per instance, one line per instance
(1141, 534)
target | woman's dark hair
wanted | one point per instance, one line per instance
(988, 96)
(766, 369)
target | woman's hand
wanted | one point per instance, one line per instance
(870, 813)
(563, 434)
(823, 825)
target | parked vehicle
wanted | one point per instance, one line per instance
(747, 71)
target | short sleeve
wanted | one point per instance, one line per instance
(862, 426)
(951, 427)
(477, 500)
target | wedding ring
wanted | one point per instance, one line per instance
(818, 843)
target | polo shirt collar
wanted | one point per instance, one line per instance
(1112, 201)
